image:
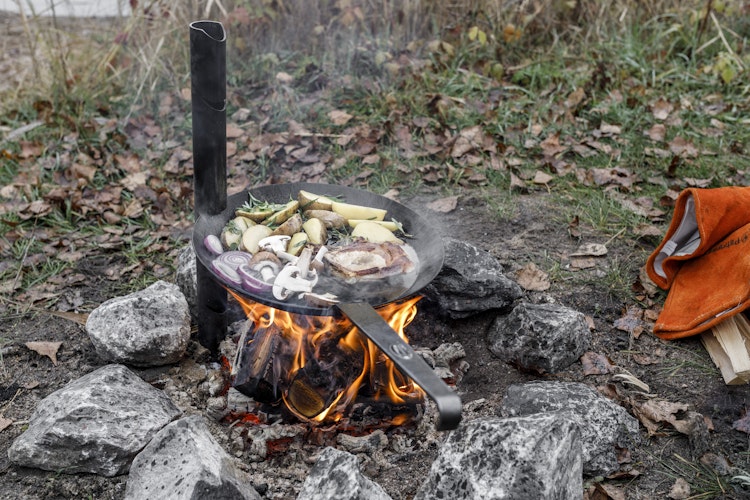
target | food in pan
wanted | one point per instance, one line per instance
(294, 249)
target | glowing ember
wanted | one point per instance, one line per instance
(319, 365)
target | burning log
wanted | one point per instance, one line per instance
(254, 371)
(324, 379)
(305, 398)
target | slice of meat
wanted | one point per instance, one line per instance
(365, 260)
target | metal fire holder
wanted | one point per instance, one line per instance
(208, 94)
(209, 102)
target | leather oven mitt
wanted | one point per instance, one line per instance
(708, 289)
(702, 218)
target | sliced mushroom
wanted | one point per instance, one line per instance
(275, 243)
(304, 260)
(317, 262)
(288, 281)
(267, 264)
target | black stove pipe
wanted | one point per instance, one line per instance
(208, 98)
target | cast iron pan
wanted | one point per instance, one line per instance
(360, 301)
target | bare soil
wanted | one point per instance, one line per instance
(676, 371)
(679, 371)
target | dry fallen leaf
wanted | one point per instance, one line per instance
(542, 178)
(608, 129)
(233, 131)
(590, 250)
(680, 490)
(595, 363)
(284, 78)
(5, 423)
(48, 349)
(661, 109)
(582, 263)
(654, 412)
(612, 492)
(392, 194)
(683, 148)
(516, 182)
(132, 181)
(631, 321)
(530, 277)
(339, 117)
(743, 424)
(444, 205)
(79, 318)
(657, 132)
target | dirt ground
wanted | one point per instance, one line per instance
(678, 372)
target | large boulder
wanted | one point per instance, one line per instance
(604, 425)
(540, 337)
(95, 424)
(182, 462)
(471, 281)
(150, 327)
(537, 456)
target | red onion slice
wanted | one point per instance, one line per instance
(234, 258)
(251, 280)
(226, 272)
(213, 244)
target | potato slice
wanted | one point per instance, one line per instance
(256, 215)
(332, 220)
(282, 215)
(358, 211)
(292, 225)
(311, 201)
(297, 243)
(242, 223)
(231, 234)
(230, 239)
(316, 231)
(388, 224)
(252, 236)
(374, 232)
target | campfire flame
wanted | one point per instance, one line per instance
(321, 364)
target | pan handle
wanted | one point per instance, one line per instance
(369, 322)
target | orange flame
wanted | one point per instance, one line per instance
(312, 337)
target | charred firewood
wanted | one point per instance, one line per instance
(319, 383)
(256, 372)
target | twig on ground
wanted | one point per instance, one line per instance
(704, 22)
(615, 236)
(726, 44)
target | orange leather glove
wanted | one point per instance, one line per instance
(709, 288)
(702, 218)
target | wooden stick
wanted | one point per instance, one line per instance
(727, 343)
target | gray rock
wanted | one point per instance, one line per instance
(186, 276)
(369, 443)
(258, 437)
(183, 461)
(95, 424)
(336, 475)
(603, 423)
(150, 327)
(471, 281)
(542, 337)
(538, 456)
